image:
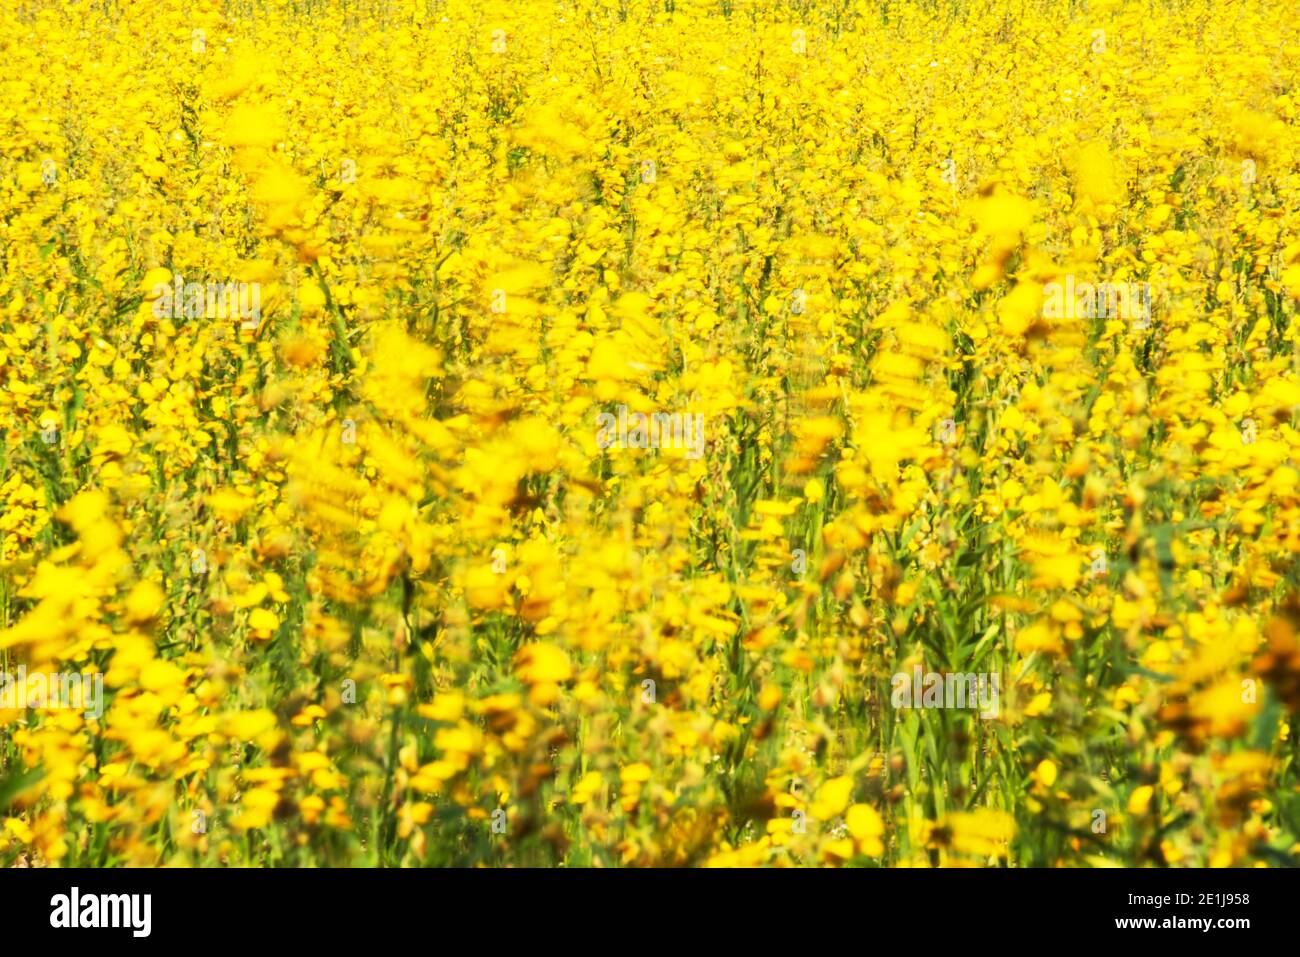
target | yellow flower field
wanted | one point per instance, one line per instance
(649, 433)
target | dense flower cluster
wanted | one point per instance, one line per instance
(369, 582)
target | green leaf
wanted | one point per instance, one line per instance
(17, 783)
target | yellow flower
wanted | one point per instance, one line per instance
(543, 663)
(637, 773)
(144, 602)
(867, 828)
(1140, 799)
(263, 622)
(229, 504)
(831, 798)
(1045, 773)
(982, 833)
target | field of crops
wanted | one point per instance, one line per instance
(649, 433)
